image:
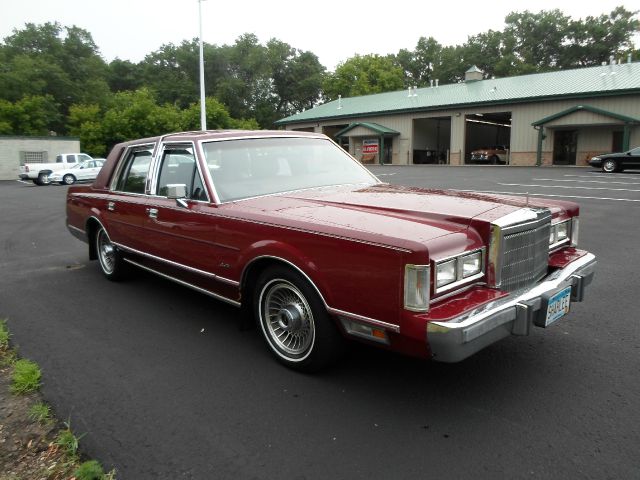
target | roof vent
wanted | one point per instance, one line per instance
(473, 74)
(339, 102)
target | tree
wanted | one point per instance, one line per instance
(296, 78)
(124, 75)
(31, 115)
(594, 39)
(51, 60)
(364, 75)
(85, 121)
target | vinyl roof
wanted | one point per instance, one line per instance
(605, 80)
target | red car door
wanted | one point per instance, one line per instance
(182, 233)
(127, 203)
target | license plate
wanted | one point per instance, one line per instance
(558, 306)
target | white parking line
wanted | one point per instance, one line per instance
(586, 181)
(600, 175)
(548, 195)
(567, 187)
(24, 181)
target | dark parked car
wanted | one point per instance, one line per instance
(295, 231)
(617, 162)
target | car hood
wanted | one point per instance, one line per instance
(388, 214)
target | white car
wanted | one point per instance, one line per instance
(80, 172)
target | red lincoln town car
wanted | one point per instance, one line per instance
(299, 234)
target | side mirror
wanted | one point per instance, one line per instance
(178, 192)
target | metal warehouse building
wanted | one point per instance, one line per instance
(556, 118)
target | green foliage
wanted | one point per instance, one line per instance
(85, 121)
(132, 115)
(40, 412)
(48, 59)
(68, 441)
(90, 470)
(4, 335)
(26, 377)
(364, 75)
(31, 115)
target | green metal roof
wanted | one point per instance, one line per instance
(376, 127)
(579, 83)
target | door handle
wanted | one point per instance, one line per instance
(111, 206)
(153, 212)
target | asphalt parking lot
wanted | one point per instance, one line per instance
(166, 386)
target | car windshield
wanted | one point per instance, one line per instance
(635, 151)
(262, 166)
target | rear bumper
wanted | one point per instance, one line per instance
(457, 339)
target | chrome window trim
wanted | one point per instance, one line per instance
(153, 188)
(200, 143)
(122, 160)
(178, 265)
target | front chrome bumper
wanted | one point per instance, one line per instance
(456, 339)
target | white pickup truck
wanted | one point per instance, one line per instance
(39, 172)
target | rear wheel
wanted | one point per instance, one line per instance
(609, 166)
(294, 321)
(111, 263)
(43, 179)
(68, 179)
(494, 160)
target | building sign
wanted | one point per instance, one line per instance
(370, 146)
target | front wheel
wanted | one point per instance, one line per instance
(294, 321)
(111, 263)
(609, 166)
(69, 179)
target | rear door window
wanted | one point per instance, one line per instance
(134, 172)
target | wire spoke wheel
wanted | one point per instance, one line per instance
(287, 319)
(106, 252)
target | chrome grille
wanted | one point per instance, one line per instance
(519, 248)
(526, 257)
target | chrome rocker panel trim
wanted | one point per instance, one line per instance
(461, 337)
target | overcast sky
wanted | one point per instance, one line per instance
(333, 30)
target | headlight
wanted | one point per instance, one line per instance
(446, 273)
(462, 268)
(560, 233)
(471, 264)
(416, 288)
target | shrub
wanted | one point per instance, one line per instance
(40, 412)
(26, 377)
(91, 470)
